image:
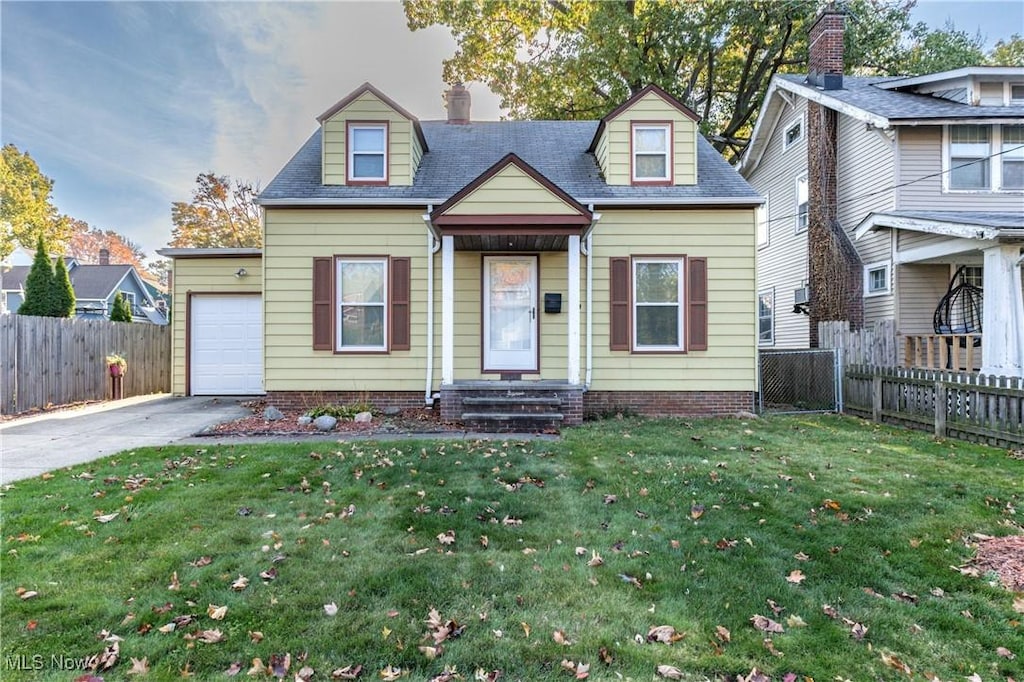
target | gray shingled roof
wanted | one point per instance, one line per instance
(97, 281)
(895, 105)
(14, 279)
(460, 153)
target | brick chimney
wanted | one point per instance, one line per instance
(825, 49)
(104, 257)
(457, 100)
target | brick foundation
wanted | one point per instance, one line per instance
(668, 403)
(302, 400)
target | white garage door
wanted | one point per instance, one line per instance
(226, 345)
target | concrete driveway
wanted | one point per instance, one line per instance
(33, 445)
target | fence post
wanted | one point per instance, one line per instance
(940, 409)
(876, 397)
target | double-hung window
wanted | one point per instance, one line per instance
(969, 150)
(766, 317)
(877, 278)
(362, 296)
(652, 157)
(1013, 157)
(802, 217)
(658, 304)
(367, 152)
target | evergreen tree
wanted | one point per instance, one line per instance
(121, 310)
(39, 285)
(63, 293)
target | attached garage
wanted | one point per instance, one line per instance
(225, 344)
(217, 321)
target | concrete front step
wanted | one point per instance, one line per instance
(511, 400)
(512, 416)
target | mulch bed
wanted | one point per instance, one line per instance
(1003, 556)
(415, 420)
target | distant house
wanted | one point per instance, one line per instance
(880, 190)
(95, 287)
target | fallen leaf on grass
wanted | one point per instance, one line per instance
(431, 652)
(665, 634)
(1005, 653)
(331, 609)
(670, 672)
(255, 636)
(1018, 604)
(257, 668)
(754, 675)
(796, 577)
(28, 594)
(482, 675)
(857, 630)
(391, 673)
(305, 674)
(175, 583)
(605, 655)
(139, 667)
(560, 638)
(447, 538)
(201, 561)
(768, 644)
(526, 628)
(800, 556)
(595, 560)
(581, 670)
(279, 664)
(830, 611)
(216, 612)
(896, 664)
(105, 660)
(795, 621)
(349, 672)
(765, 624)
(696, 511)
(233, 669)
(240, 583)
(106, 518)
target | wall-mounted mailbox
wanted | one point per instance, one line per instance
(552, 303)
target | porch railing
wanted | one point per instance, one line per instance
(958, 352)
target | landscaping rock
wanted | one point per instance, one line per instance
(325, 422)
(363, 418)
(305, 420)
(272, 414)
(746, 415)
(392, 411)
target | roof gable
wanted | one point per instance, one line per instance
(513, 190)
(369, 88)
(625, 106)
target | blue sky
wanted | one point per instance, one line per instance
(122, 104)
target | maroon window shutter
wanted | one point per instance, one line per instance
(323, 295)
(401, 284)
(697, 304)
(619, 294)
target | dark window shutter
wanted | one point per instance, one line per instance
(401, 285)
(697, 304)
(619, 294)
(323, 306)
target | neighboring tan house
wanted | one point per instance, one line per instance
(895, 183)
(502, 267)
(95, 287)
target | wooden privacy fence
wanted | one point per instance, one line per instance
(960, 405)
(53, 361)
(874, 344)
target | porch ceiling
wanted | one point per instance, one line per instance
(511, 242)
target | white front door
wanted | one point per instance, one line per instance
(510, 313)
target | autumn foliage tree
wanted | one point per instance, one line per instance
(26, 209)
(86, 242)
(222, 213)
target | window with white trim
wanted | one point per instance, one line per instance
(652, 158)
(658, 304)
(973, 275)
(129, 296)
(1012, 158)
(877, 277)
(793, 134)
(763, 230)
(1016, 93)
(802, 217)
(367, 152)
(969, 151)
(766, 317)
(361, 297)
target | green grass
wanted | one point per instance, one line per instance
(902, 510)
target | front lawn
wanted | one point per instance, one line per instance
(823, 547)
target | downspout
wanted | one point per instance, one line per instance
(433, 246)
(586, 247)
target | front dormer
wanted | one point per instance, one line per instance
(651, 139)
(370, 140)
(978, 86)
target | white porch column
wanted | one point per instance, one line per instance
(447, 309)
(574, 309)
(1002, 338)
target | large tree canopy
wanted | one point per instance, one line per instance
(569, 59)
(221, 213)
(86, 241)
(26, 211)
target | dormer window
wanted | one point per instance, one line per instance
(367, 153)
(652, 158)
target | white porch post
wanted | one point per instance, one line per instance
(447, 309)
(574, 309)
(1002, 338)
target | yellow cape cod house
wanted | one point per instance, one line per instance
(511, 272)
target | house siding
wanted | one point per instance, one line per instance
(920, 289)
(511, 191)
(782, 264)
(204, 275)
(865, 176)
(402, 155)
(920, 156)
(726, 239)
(650, 108)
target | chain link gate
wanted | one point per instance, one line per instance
(800, 380)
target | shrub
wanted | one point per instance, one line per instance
(340, 411)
